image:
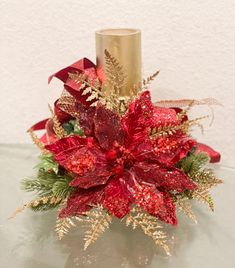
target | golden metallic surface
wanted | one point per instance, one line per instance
(125, 46)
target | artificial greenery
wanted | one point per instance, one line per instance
(51, 184)
(47, 163)
(73, 127)
(193, 163)
(48, 183)
(194, 166)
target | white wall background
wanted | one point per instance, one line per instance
(192, 42)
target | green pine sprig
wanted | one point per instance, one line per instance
(48, 183)
(193, 163)
(47, 163)
(73, 127)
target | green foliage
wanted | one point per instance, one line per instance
(47, 163)
(73, 127)
(194, 166)
(48, 183)
(193, 163)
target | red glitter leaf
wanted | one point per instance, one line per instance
(117, 197)
(156, 203)
(164, 116)
(86, 118)
(98, 176)
(170, 149)
(82, 157)
(138, 119)
(82, 200)
(168, 178)
(63, 147)
(108, 129)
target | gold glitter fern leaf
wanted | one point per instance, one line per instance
(114, 73)
(58, 129)
(37, 141)
(186, 208)
(63, 226)
(149, 79)
(149, 225)
(97, 221)
(38, 204)
(202, 194)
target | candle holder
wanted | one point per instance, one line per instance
(125, 46)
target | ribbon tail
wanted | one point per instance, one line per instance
(214, 155)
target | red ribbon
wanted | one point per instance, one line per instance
(214, 155)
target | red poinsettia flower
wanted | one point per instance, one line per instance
(118, 164)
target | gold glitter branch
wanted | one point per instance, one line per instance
(186, 208)
(149, 225)
(149, 79)
(93, 90)
(202, 192)
(37, 141)
(184, 112)
(168, 130)
(98, 221)
(59, 131)
(186, 102)
(114, 74)
(45, 200)
(205, 180)
(63, 226)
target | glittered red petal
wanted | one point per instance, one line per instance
(117, 197)
(169, 178)
(61, 147)
(82, 200)
(138, 119)
(156, 203)
(97, 177)
(164, 116)
(171, 149)
(86, 118)
(108, 128)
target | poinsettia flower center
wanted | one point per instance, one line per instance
(121, 159)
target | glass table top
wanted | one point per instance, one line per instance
(29, 241)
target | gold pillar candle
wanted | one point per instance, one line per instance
(125, 46)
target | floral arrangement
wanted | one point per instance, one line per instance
(105, 156)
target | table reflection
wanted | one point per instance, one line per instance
(120, 246)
